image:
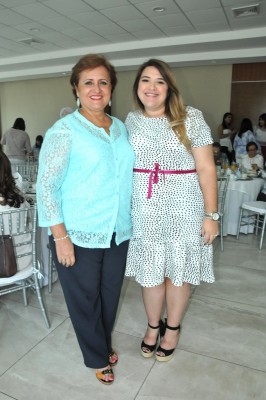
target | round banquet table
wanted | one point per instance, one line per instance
(239, 191)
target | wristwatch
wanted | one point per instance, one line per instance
(215, 216)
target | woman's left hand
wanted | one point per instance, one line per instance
(209, 230)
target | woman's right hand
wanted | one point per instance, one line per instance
(65, 252)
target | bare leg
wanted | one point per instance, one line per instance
(177, 298)
(153, 299)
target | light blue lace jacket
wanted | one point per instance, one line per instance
(85, 181)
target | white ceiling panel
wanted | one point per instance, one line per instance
(205, 16)
(123, 13)
(148, 7)
(102, 4)
(148, 34)
(90, 19)
(11, 33)
(137, 24)
(178, 30)
(9, 17)
(36, 11)
(209, 27)
(126, 37)
(60, 23)
(171, 20)
(81, 32)
(108, 29)
(194, 5)
(186, 32)
(15, 3)
(67, 7)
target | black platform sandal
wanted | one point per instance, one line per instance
(147, 350)
(167, 354)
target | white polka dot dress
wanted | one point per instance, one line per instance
(166, 239)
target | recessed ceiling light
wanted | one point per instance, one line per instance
(158, 9)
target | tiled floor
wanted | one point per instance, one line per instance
(221, 354)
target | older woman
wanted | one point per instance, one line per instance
(252, 160)
(84, 195)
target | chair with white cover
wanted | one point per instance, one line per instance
(223, 182)
(253, 213)
(20, 224)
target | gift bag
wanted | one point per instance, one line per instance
(8, 263)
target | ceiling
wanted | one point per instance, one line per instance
(45, 38)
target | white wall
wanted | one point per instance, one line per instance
(40, 101)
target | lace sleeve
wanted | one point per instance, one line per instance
(53, 163)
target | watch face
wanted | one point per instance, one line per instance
(215, 216)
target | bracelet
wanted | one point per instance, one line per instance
(61, 238)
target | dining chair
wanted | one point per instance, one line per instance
(20, 225)
(223, 182)
(51, 270)
(253, 213)
(28, 171)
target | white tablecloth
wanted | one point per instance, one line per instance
(237, 193)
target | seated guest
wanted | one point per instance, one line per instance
(252, 160)
(10, 199)
(262, 194)
(242, 138)
(219, 157)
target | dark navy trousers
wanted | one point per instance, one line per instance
(92, 289)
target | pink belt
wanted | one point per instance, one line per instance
(154, 175)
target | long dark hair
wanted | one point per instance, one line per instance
(8, 189)
(246, 125)
(19, 124)
(227, 114)
(39, 139)
(263, 118)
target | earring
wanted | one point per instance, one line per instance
(110, 103)
(78, 102)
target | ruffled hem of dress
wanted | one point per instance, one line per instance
(181, 262)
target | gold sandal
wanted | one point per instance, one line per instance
(100, 375)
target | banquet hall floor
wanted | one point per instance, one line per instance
(221, 353)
